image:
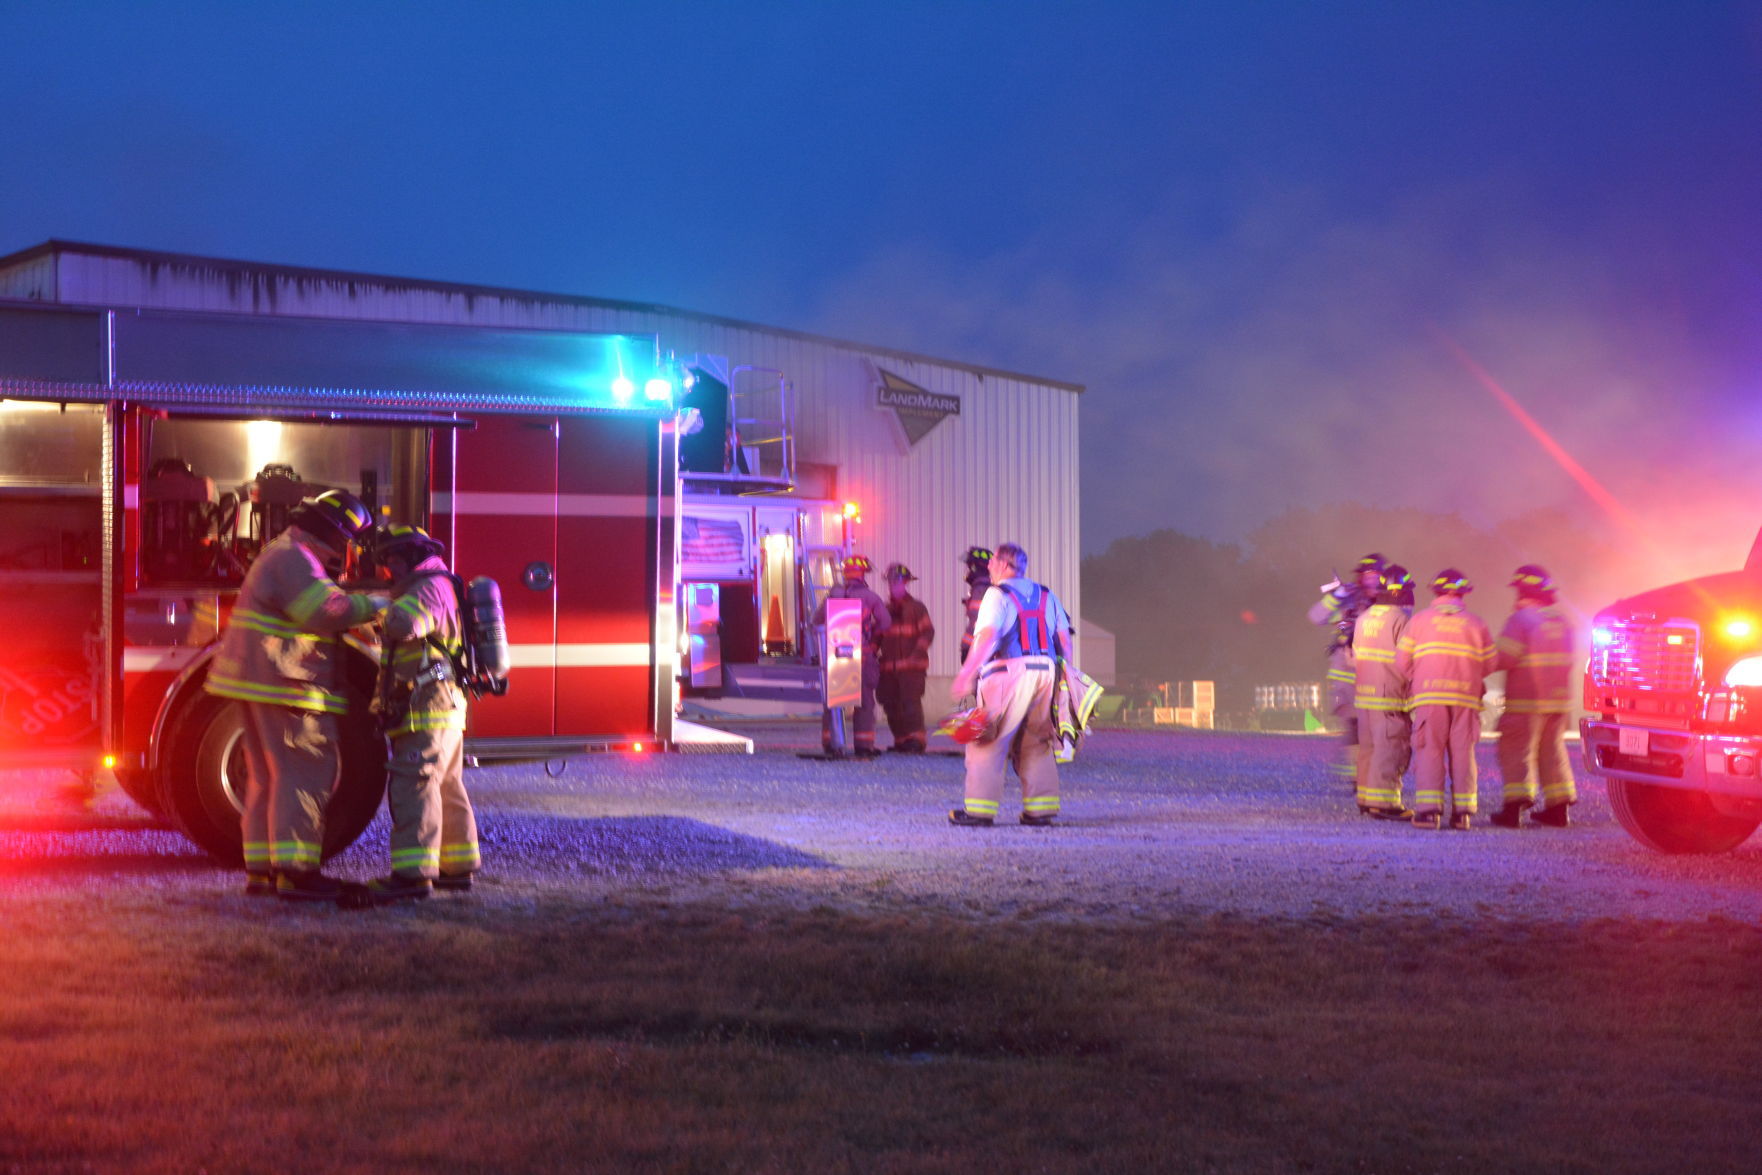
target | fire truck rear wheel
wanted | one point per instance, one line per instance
(1674, 820)
(206, 799)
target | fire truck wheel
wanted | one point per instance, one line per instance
(1672, 820)
(205, 800)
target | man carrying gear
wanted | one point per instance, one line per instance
(279, 657)
(905, 662)
(1022, 631)
(1536, 649)
(1381, 696)
(876, 622)
(422, 708)
(1444, 656)
(1339, 608)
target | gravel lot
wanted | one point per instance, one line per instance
(1155, 824)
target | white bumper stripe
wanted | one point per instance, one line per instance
(158, 659)
(577, 656)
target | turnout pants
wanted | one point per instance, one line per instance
(1352, 758)
(1444, 741)
(434, 829)
(901, 694)
(292, 764)
(1389, 734)
(1017, 693)
(1532, 752)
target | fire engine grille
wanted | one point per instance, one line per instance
(1657, 658)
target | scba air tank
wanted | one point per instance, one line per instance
(489, 632)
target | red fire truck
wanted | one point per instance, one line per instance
(146, 456)
(1674, 693)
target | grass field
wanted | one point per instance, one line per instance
(217, 1033)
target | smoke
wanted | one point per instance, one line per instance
(1293, 357)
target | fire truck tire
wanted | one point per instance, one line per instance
(1673, 820)
(204, 800)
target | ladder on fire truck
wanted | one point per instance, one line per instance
(761, 424)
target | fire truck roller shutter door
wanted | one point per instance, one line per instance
(608, 600)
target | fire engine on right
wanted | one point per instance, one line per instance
(1673, 694)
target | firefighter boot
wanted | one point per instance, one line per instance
(1510, 814)
(453, 881)
(965, 819)
(1460, 821)
(399, 887)
(1553, 816)
(1429, 821)
(307, 885)
(259, 885)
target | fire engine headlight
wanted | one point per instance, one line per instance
(1747, 672)
(623, 388)
(1738, 628)
(658, 389)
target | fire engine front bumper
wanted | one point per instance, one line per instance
(1720, 764)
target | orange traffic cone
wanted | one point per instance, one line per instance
(776, 643)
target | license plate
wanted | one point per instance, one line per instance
(1635, 742)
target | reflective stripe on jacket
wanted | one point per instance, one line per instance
(424, 695)
(1378, 685)
(279, 647)
(1536, 647)
(1444, 656)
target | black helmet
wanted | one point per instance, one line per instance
(1533, 582)
(978, 560)
(334, 516)
(405, 542)
(1451, 581)
(1397, 582)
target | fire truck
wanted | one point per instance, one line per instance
(1673, 694)
(146, 456)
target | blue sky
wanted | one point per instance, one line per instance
(1248, 228)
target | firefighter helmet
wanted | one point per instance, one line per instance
(899, 571)
(856, 567)
(1372, 562)
(978, 561)
(1532, 581)
(1397, 581)
(333, 516)
(397, 540)
(1452, 582)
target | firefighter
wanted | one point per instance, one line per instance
(1339, 608)
(1536, 649)
(1444, 657)
(876, 621)
(1023, 631)
(905, 662)
(978, 561)
(1380, 696)
(422, 710)
(278, 656)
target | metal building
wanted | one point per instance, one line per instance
(939, 454)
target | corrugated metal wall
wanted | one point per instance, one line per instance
(29, 281)
(1004, 469)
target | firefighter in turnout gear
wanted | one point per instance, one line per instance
(422, 710)
(876, 622)
(978, 562)
(1536, 649)
(1339, 609)
(1381, 696)
(905, 662)
(279, 658)
(1023, 631)
(1444, 656)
